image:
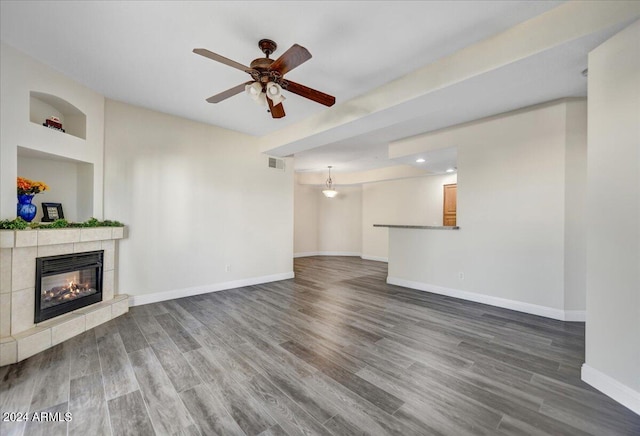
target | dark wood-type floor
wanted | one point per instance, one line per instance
(334, 351)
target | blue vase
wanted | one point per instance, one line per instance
(26, 210)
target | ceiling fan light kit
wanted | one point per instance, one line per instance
(274, 92)
(254, 89)
(268, 77)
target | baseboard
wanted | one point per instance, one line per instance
(340, 253)
(611, 387)
(138, 300)
(575, 315)
(305, 254)
(376, 258)
(327, 253)
(519, 306)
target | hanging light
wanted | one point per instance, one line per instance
(329, 192)
(274, 92)
(254, 91)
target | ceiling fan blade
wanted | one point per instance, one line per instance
(295, 56)
(216, 57)
(311, 94)
(228, 93)
(277, 111)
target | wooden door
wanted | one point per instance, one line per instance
(449, 208)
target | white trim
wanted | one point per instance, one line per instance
(305, 254)
(376, 258)
(340, 253)
(137, 300)
(575, 315)
(534, 309)
(326, 253)
(611, 387)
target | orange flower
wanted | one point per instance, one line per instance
(26, 186)
(23, 184)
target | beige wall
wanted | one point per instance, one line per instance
(327, 225)
(512, 205)
(305, 219)
(613, 228)
(344, 224)
(340, 221)
(196, 198)
(416, 201)
(575, 233)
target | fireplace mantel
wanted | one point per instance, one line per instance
(20, 337)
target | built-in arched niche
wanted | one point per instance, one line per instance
(43, 106)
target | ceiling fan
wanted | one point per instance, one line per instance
(268, 77)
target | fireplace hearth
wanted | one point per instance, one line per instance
(22, 335)
(67, 282)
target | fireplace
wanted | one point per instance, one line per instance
(67, 282)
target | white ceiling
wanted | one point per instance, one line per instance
(141, 53)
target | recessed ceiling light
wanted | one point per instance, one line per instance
(420, 160)
(450, 170)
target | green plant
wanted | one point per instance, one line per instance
(91, 222)
(94, 222)
(58, 224)
(16, 224)
(110, 223)
(20, 224)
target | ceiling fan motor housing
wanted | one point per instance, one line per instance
(262, 66)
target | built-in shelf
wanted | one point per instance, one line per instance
(70, 181)
(60, 159)
(43, 106)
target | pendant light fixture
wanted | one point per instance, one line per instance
(329, 192)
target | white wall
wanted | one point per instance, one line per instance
(415, 201)
(196, 198)
(19, 75)
(613, 228)
(511, 212)
(327, 225)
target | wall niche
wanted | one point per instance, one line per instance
(43, 106)
(70, 182)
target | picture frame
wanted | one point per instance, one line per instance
(51, 212)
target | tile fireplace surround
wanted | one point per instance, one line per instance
(19, 336)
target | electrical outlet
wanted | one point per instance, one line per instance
(461, 275)
(227, 267)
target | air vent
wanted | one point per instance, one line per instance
(277, 164)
